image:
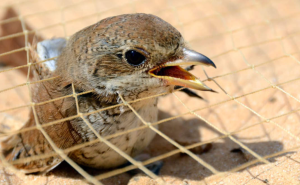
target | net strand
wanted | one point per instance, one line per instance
(96, 14)
(185, 149)
(181, 148)
(18, 161)
(101, 139)
(262, 76)
(107, 108)
(223, 132)
(85, 92)
(41, 129)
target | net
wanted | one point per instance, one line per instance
(252, 123)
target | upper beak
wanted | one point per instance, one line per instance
(173, 74)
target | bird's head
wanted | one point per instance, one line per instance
(130, 54)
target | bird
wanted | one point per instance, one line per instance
(131, 55)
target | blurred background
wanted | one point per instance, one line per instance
(249, 131)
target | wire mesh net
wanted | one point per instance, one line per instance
(252, 123)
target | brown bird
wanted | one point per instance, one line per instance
(134, 55)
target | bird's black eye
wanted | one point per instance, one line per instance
(134, 58)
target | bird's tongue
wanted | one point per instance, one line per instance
(175, 75)
(176, 72)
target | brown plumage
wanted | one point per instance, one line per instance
(135, 55)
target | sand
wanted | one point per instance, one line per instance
(245, 98)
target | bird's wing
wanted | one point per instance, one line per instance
(29, 150)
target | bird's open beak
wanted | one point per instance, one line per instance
(173, 74)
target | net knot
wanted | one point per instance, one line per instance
(75, 95)
(25, 32)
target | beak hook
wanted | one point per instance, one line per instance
(190, 55)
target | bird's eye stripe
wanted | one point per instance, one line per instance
(119, 55)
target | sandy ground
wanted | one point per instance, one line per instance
(256, 32)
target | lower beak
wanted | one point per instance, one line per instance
(173, 74)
